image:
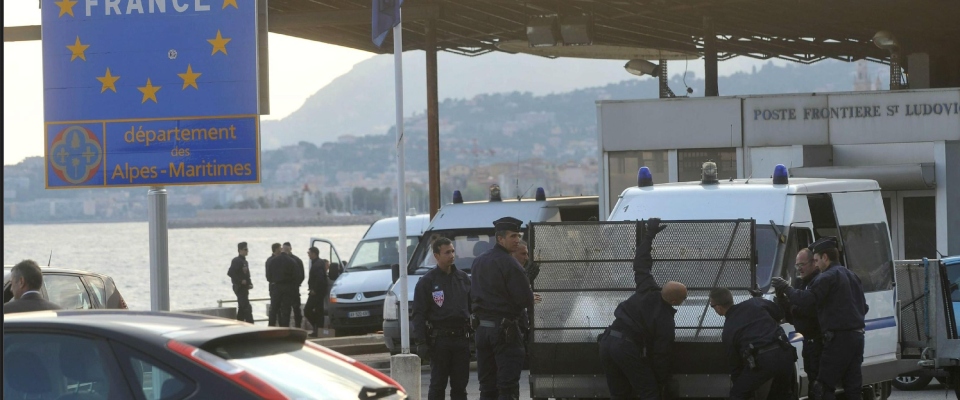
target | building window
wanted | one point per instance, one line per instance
(625, 164)
(690, 161)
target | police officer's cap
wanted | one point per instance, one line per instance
(507, 224)
(242, 246)
(823, 244)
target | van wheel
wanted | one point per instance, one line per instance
(907, 382)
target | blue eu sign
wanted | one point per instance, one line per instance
(150, 92)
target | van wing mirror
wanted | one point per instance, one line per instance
(395, 272)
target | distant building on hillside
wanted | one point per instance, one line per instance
(862, 81)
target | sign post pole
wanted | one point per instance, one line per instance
(159, 271)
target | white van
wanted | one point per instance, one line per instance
(470, 226)
(356, 298)
(791, 213)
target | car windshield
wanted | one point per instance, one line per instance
(379, 253)
(468, 244)
(300, 371)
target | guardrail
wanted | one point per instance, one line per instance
(221, 302)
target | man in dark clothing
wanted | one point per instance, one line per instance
(804, 319)
(293, 291)
(25, 282)
(841, 307)
(319, 287)
(441, 315)
(239, 274)
(281, 275)
(637, 347)
(500, 291)
(757, 347)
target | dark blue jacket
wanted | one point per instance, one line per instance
(281, 269)
(318, 278)
(804, 319)
(838, 296)
(646, 316)
(498, 285)
(442, 299)
(754, 321)
(239, 270)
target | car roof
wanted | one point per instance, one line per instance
(193, 329)
(47, 269)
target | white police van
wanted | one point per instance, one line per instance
(355, 302)
(791, 213)
(470, 226)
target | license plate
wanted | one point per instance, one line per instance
(358, 314)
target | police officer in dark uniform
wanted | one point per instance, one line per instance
(637, 347)
(281, 272)
(841, 307)
(272, 286)
(319, 287)
(294, 290)
(239, 274)
(757, 347)
(804, 319)
(500, 292)
(441, 322)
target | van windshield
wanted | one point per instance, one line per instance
(767, 246)
(468, 243)
(379, 253)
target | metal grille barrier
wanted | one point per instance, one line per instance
(586, 270)
(914, 329)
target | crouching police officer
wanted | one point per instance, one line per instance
(500, 292)
(637, 347)
(841, 306)
(756, 346)
(441, 323)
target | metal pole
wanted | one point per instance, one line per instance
(433, 118)
(401, 190)
(159, 271)
(710, 58)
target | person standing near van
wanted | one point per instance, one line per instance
(293, 292)
(281, 275)
(441, 320)
(841, 308)
(637, 347)
(500, 292)
(757, 347)
(804, 319)
(239, 274)
(319, 287)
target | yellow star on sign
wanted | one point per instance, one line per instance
(219, 43)
(149, 92)
(78, 50)
(189, 77)
(66, 7)
(108, 81)
(230, 3)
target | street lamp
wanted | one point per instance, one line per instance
(886, 41)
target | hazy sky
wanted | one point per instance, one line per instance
(291, 60)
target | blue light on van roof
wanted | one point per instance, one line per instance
(541, 195)
(780, 175)
(644, 177)
(457, 197)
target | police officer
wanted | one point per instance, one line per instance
(841, 307)
(637, 347)
(281, 275)
(500, 292)
(293, 291)
(239, 274)
(319, 286)
(804, 319)
(757, 347)
(441, 320)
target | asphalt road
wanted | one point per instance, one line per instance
(934, 391)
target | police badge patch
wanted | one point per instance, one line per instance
(438, 298)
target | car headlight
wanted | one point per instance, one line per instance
(390, 307)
